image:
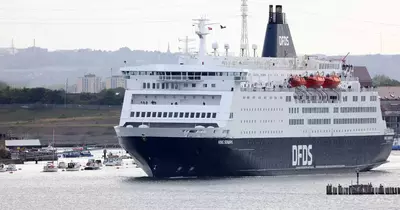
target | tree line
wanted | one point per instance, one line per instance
(10, 95)
(383, 80)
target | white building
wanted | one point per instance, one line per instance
(88, 84)
(115, 82)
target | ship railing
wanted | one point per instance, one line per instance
(265, 89)
(179, 78)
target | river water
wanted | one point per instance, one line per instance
(127, 188)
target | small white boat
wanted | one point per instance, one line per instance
(92, 165)
(3, 168)
(62, 165)
(113, 162)
(73, 166)
(50, 167)
(12, 167)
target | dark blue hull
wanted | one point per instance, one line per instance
(176, 157)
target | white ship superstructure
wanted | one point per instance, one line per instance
(192, 118)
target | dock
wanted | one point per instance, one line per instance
(362, 189)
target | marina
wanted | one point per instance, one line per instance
(129, 188)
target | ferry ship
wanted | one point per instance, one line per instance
(212, 115)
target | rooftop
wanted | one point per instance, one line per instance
(23, 143)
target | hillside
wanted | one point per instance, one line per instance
(71, 126)
(37, 67)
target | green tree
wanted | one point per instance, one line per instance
(383, 80)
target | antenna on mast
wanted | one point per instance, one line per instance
(202, 32)
(244, 40)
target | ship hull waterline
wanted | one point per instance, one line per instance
(198, 157)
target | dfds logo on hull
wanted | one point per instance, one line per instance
(301, 155)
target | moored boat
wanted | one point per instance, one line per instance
(12, 167)
(62, 165)
(92, 165)
(3, 168)
(50, 167)
(113, 161)
(73, 166)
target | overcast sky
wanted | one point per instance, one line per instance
(317, 26)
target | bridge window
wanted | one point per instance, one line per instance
(137, 114)
(197, 115)
(213, 85)
(159, 115)
(214, 115)
(144, 85)
(170, 115)
(204, 85)
(362, 98)
(143, 114)
(193, 85)
(203, 115)
(165, 114)
(355, 98)
(208, 115)
(187, 115)
(148, 114)
(176, 115)
(192, 115)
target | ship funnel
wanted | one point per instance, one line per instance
(278, 40)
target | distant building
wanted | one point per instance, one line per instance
(361, 72)
(88, 84)
(23, 143)
(115, 82)
(390, 106)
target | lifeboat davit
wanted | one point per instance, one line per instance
(314, 81)
(331, 81)
(296, 81)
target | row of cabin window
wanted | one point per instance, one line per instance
(328, 66)
(355, 121)
(357, 109)
(319, 121)
(294, 110)
(335, 121)
(174, 114)
(340, 131)
(315, 110)
(296, 121)
(151, 73)
(265, 97)
(172, 86)
(261, 132)
(363, 98)
(261, 121)
(260, 109)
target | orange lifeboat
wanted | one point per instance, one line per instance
(331, 81)
(314, 81)
(296, 81)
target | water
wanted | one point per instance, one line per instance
(126, 188)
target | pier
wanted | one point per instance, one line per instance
(362, 189)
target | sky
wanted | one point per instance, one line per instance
(332, 27)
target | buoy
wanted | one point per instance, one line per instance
(11, 172)
(117, 167)
(20, 169)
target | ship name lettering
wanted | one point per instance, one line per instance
(225, 141)
(301, 155)
(283, 41)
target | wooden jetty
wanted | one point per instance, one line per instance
(361, 189)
